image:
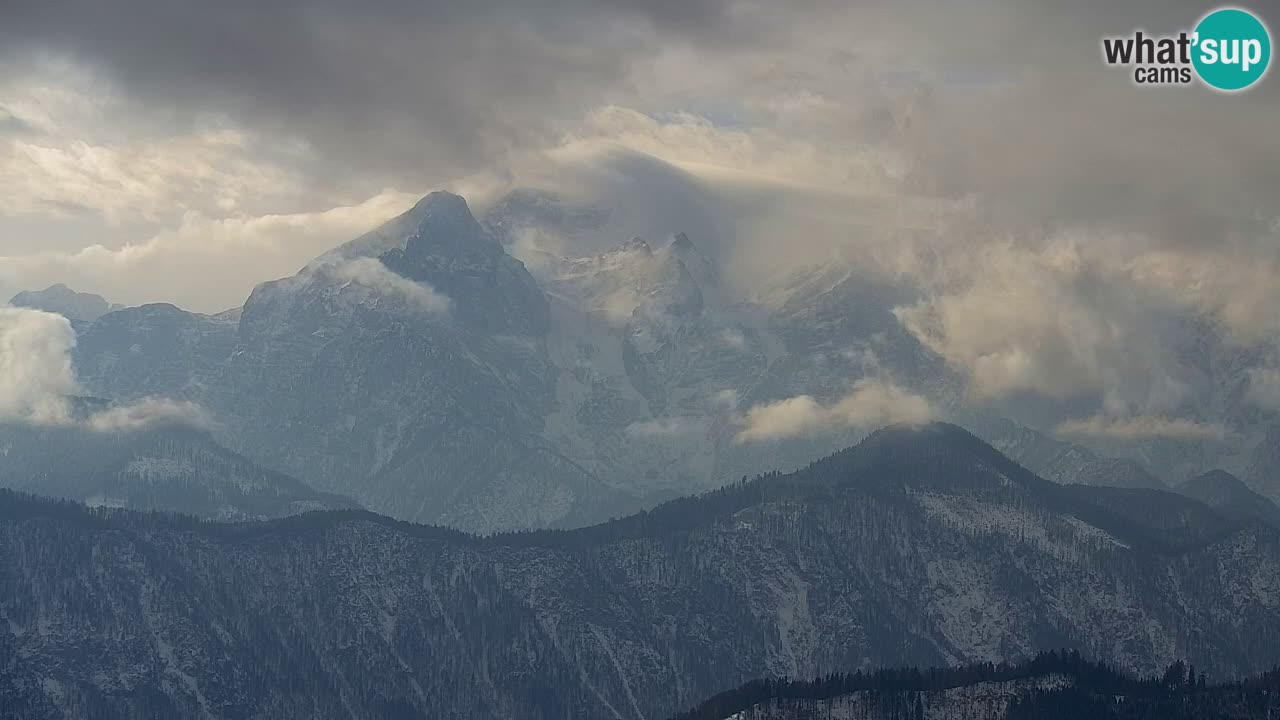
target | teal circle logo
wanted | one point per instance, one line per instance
(1232, 49)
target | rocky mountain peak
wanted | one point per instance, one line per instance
(444, 211)
(635, 245)
(442, 225)
(60, 299)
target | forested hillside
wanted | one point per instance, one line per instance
(1052, 686)
(919, 547)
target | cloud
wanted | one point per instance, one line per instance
(38, 383)
(149, 413)
(869, 404)
(1059, 226)
(372, 274)
(201, 264)
(1068, 320)
(665, 428)
(733, 337)
(1141, 428)
(379, 86)
(36, 376)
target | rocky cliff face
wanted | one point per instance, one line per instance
(919, 547)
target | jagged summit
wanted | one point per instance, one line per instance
(700, 267)
(442, 211)
(442, 225)
(437, 215)
(635, 244)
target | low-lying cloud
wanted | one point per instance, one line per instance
(149, 413)
(38, 382)
(869, 404)
(200, 265)
(370, 273)
(36, 376)
(1141, 428)
(666, 428)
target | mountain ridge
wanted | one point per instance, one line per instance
(799, 575)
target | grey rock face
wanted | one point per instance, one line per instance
(426, 412)
(919, 547)
(155, 349)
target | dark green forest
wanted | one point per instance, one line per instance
(1094, 690)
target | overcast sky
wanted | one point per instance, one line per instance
(1054, 216)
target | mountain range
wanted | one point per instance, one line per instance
(920, 546)
(425, 372)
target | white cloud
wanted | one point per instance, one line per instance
(664, 428)
(37, 380)
(1141, 427)
(372, 274)
(36, 376)
(1064, 318)
(204, 264)
(149, 413)
(82, 154)
(870, 403)
(733, 337)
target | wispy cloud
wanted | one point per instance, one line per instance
(36, 376)
(869, 404)
(370, 273)
(1141, 427)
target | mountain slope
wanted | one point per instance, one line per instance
(154, 350)
(423, 375)
(1230, 496)
(1062, 462)
(918, 547)
(172, 469)
(1051, 686)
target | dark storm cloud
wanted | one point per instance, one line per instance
(1014, 104)
(395, 82)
